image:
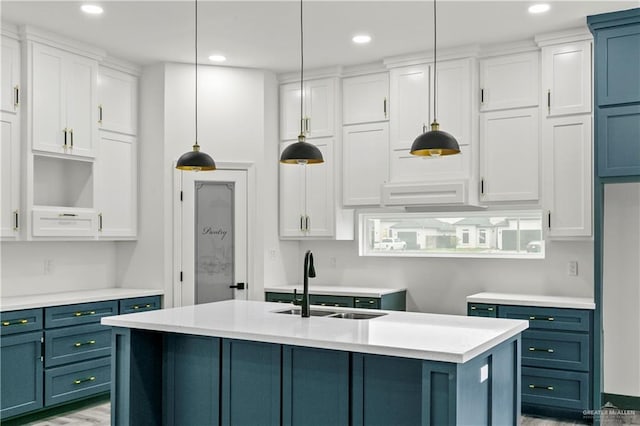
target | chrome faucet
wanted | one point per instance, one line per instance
(309, 272)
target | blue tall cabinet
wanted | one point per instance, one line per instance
(617, 134)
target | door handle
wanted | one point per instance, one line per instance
(238, 286)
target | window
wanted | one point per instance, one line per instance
(506, 234)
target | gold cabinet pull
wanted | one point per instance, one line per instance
(88, 342)
(549, 388)
(81, 314)
(16, 322)
(87, 379)
(533, 349)
(532, 318)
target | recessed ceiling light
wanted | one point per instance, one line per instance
(217, 58)
(361, 39)
(91, 9)
(539, 8)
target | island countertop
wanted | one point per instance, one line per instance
(447, 338)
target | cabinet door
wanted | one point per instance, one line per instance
(409, 92)
(454, 99)
(292, 197)
(365, 98)
(10, 183)
(509, 165)
(320, 109)
(81, 96)
(566, 78)
(618, 135)
(116, 171)
(567, 173)
(410, 168)
(117, 101)
(10, 75)
(21, 374)
(509, 81)
(48, 109)
(365, 162)
(319, 193)
(290, 122)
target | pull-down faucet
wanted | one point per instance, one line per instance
(309, 272)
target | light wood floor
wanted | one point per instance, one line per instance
(101, 415)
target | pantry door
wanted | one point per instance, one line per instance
(213, 237)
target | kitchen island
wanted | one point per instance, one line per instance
(244, 362)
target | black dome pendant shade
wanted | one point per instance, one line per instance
(435, 142)
(301, 152)
(195, 160)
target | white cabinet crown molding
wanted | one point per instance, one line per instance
(121, 65)
(9, 30)
(314, 74)
(560, 37)
(30, 33)
(363, 69)
(427, 57)
(503, 49)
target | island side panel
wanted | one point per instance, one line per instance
(251, 386)
(439, 393)
(191, 380)
(136, 378)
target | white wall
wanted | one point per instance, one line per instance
(440, 285)
(71, 266)
(621, 289)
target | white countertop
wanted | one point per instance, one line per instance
(15, 303)
(447, 338)
(336, 290)
(533, 300)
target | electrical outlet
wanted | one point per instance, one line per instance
(572, 268)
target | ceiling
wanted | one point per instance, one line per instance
(265, 34)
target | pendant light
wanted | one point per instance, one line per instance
(301, 152)
(196, 160)
(435, 142)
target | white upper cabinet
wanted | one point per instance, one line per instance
(365, 162)
(63, 101)
(10, 90)
(509, 155)
(566, 78)
(10, 217)
(365, 98)
(116, 186)
(410, 93)
(509, 81)
(567, 168)
(117, 101)
(318, 109)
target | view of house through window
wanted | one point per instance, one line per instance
(473, 234)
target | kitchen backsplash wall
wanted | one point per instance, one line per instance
(440, 285)
(47, 267)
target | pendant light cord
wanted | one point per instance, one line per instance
(435, 62)
(195, 62)
(301, 68)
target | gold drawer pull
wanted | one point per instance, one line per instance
(17, 322)
(542, 319)
(372, 301)
(148, 305)
(88, 379)
(89, 342)
(532, 349)
(549, 388)
(80, 314)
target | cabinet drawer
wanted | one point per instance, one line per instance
(326, 300)
(72, 344)
(279, 297)
(83, 313)
(62, 384)
(561, 389)
(549, 318)
(554, 349)
(482, 310)
(20, 321)
(68, 223)
(366, 302)
(139, 304)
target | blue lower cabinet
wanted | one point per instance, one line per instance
(549, 318)
(73, 344)
(547, 349)
(82, 313)
(139, 304)
(20, 374)
(191, 377)
(555, 388)
(315, 386)
(23, 321)
(328, 300)
(250, 383)
(482, 310)
(78, 380)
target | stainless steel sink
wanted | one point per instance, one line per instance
(355, 315)
(312, 312)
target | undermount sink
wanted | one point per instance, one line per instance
(332, 314)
